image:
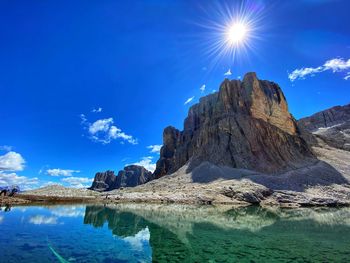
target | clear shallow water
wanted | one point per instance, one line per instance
(172, 233)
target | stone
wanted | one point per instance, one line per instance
(331, 125)
(130, 176)
(245, 125)
(133, 175)
(104, 181)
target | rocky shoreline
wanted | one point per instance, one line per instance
(189, 188)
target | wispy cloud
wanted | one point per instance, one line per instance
(334, 65)
(97, 110)
(104, 131)
(23, 182)
(154, 148)
(228, 73)
(202, 88)
(78, 182)
(139, 240)
(11, 161)
(61, 172)
(347, 76)
(189, 100)
(147, 163)
(43, 220)
(68, 211)
(5, 148)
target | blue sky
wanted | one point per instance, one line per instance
(140, 61)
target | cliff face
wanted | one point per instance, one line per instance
(105, 181)
(331, 125)
(245, 125)
(133, 175)
(130, 176)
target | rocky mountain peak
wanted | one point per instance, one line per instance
(131, 175)
(246, 124)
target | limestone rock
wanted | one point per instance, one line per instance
(104, 181)
(331, 125)
(133, 175)
(245, 125)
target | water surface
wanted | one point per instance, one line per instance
(173, 233)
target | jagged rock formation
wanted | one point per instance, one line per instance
(104, 181)
(331, 125)
(131, 175)
(245, 125)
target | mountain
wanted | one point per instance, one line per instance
(245, 125)
(130, 176)
(104, 181)
(331, 126)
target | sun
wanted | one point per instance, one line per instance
(231, 33)
(236, 33)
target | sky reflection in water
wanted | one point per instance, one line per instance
(173, 233)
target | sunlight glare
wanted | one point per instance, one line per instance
(236, 33)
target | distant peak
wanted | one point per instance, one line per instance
(250, 75)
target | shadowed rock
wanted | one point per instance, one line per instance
(331, 125)
(131, 175)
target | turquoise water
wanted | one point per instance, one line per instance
(172, 233)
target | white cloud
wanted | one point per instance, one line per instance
(228, 73)
(61, 172)
(188, 100)
(147, 163)
(335, 65)
(104, 131)
(68, 211)
(202, 88)
(11, 161)
(6, 148)
(99, 109)
(102, 125)
(43, 220)
(25, 183)
(139, 240)
(1, 219)
(154, 148)
(78, 182)
(347, 76)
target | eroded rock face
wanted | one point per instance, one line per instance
(331, 125)
(104, 181)
(133, 175)
(245, 125)
(130, 176)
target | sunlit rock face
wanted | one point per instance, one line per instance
(331, 125)
(245, 125)
(131, 175)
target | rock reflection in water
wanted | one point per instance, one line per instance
(222, 234)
